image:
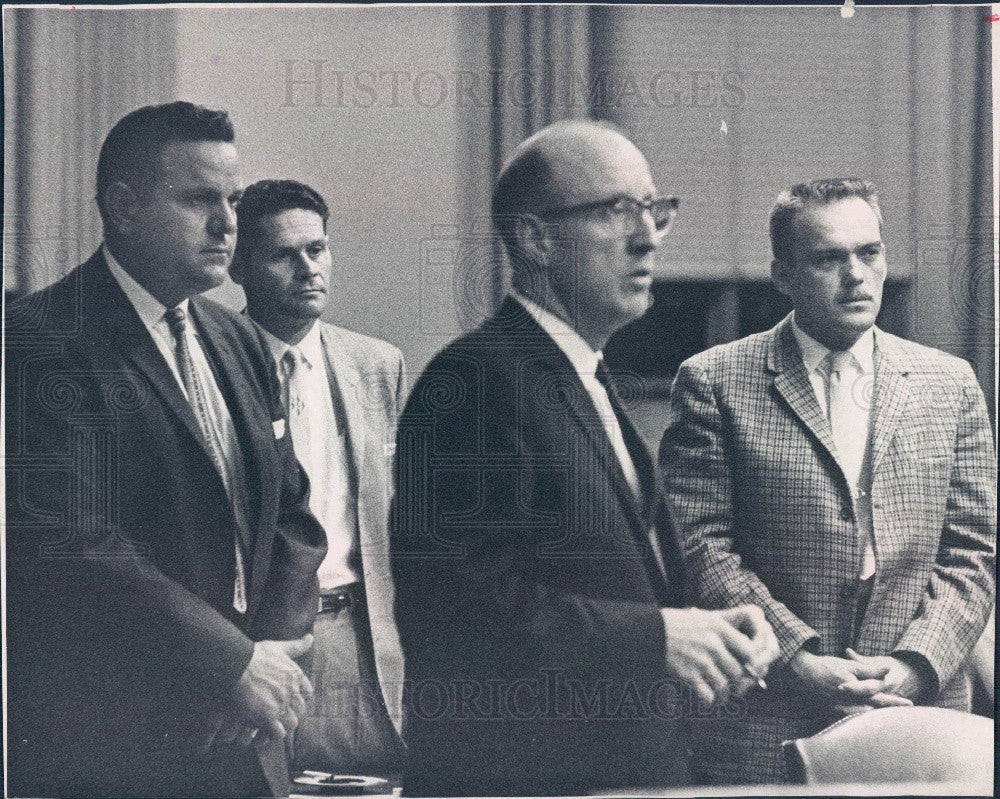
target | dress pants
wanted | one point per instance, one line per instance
(346, 728)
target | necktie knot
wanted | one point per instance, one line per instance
(176, 321)
(292, 360)
(838, 362)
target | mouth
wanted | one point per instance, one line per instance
(643, 277)
(225, 251)
(862, 300)
(312, 291)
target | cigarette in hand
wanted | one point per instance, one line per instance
(756, 675)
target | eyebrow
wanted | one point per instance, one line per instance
(877, 243)
(290, 249)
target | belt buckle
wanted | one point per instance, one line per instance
(336, 601)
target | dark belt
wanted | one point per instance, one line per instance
(342, 598)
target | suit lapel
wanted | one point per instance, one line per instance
(136, 345)
(585, 417)
(639, 514)
(232, 382)
(552, 361)
(792, 382)
(891, 391)
(344, 384)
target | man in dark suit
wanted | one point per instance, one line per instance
(841, 478)
(343, 392)
(161, 557)
(539, 590)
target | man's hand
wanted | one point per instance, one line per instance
(272, 692)
(750, 620)
(900, 681)
(223, 729)
(850, 685)
(711, 650)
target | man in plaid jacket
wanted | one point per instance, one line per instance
(842, 479)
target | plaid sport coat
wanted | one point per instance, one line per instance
(766, 517)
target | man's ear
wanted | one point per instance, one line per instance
(780, 276)
(122, 206)
(533, 238)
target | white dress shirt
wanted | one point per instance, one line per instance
(324, 458)
(862, 377)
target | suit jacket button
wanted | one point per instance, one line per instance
(846, 514)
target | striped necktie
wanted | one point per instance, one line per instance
(235, 489)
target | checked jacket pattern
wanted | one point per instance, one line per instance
(766, 517)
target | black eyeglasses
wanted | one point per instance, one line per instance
(622, 208)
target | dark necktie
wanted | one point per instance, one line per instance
(636, 449)
(643, 467)
(235, 489)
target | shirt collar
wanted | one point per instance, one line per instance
(149, 308)
(813, 352)
(310, 346)
(583, 358)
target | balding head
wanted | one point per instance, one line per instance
(578, 212)
(564, 164)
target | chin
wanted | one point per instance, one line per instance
(212, 280)
(638, 305)
(308, 312)
(857, 324)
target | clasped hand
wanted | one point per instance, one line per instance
(269, 698)
(857, 682)
(718, 653)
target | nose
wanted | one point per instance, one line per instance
(222, 222)
(854, 270)
(306, 266)
(644, 234)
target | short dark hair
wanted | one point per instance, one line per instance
(132, 149)
(269, 197)
(819, 192)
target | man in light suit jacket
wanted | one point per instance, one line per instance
(343, 392)
(539, 590)
(161, 557)
(842, 479)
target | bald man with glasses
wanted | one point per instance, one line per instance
(539, 589)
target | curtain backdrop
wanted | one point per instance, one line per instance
(730, 104)
(69, 75)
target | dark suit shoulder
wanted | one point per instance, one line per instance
(470, 383)
(479, 352)
(223, 316)
(243, 338)
(54, 310)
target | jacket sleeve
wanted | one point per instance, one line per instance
(960, 594)
(697, 468)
